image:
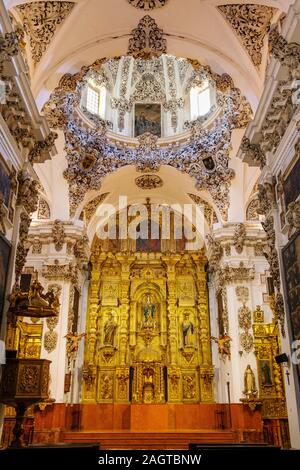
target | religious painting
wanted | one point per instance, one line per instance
(5, 184)
(265, 373)
(5, 248)
(291, 184)
(291, 262)
(147, 118)
(149, 244)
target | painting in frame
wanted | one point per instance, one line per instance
(5, 248)
(266, 373)
(147, 118)
(291, 263)
(5, 184)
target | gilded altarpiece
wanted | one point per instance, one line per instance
(147, 329)
(270, 374)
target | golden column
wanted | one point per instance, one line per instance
(171, 308)
(90, 366)
(206, 367)
(125, 263)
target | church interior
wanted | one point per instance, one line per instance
(149, 223)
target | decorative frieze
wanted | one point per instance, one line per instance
(56, 272)
(228, 274)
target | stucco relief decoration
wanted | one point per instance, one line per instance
(266, 203)
(27, 197)
(149, 181)
(51, 336)
(209, 213)
(253, 153)
(91, 207)
(239, 237)
(215, 252)
(244, 318)
(40, 21)
(41, 149)
(58, 272)
(147, 4)
(293, 217)
(43, 209)
(286, 52)
(58, 234)
(61, 112)
(251, 23)
(252, 210)
(147, 40)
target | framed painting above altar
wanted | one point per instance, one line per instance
(147, 118)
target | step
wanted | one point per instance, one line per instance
(150, 440)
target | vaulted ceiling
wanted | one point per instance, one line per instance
(229, 36)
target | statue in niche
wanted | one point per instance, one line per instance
(149, 311)
(109, 331)
(148, 387)
(249, 382)
(187, 331)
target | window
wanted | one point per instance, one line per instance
(200, 101)
(92, 100)
(95, 100)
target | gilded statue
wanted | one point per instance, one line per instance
(249, 382)
(109, 331)
(187, 331)
(148, 310)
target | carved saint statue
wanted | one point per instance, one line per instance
(109, 330)
(148, 310)
(187, 331)
(249, 382)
